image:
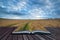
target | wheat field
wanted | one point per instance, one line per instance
(33, 24)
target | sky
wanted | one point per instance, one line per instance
(29, 9)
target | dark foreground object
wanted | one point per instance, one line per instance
(6, 34)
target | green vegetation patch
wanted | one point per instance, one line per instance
(26, 27)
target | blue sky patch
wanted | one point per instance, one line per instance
(29, 9)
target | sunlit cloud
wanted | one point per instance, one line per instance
(29, 9)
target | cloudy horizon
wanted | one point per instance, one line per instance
(29, 9)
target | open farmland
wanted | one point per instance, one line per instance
(33, 24)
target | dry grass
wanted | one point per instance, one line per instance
(33, 24)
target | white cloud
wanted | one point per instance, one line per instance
(11, 16)
(49, 5)
(32, 10)
(18, 7)
(37, 13)
(15, 17)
